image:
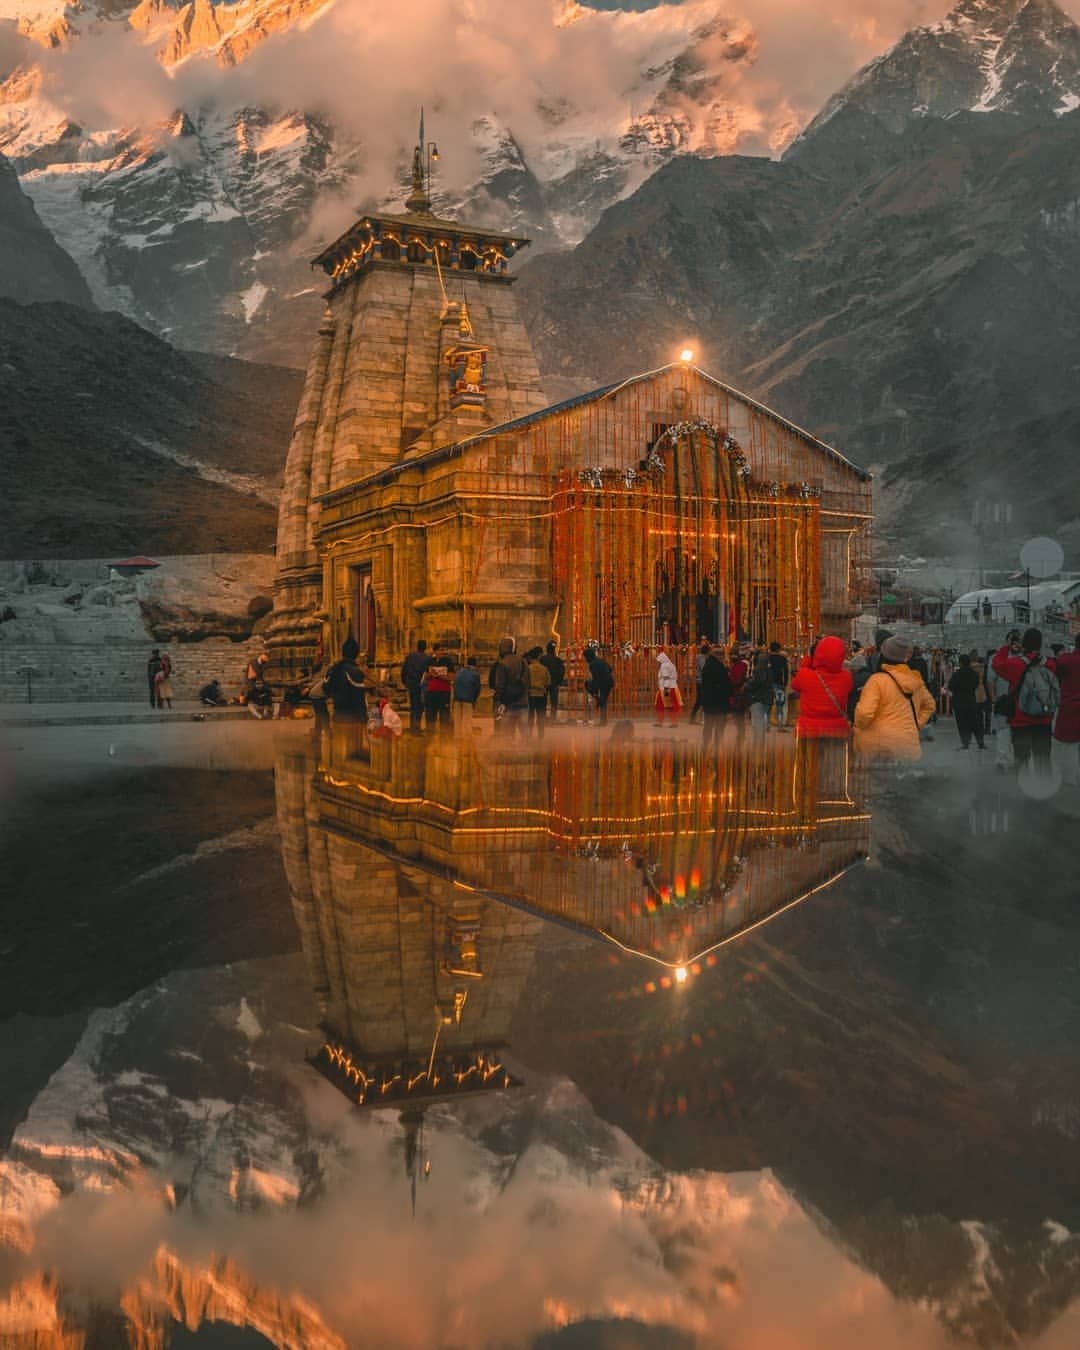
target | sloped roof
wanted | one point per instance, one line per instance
(607, 390)
(1043, 593)
(594, 396)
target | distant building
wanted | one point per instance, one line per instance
(430, 492)
(132, 567)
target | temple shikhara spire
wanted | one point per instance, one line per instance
(431, 491)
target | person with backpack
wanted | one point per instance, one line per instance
(556, 668)
(511, 688)
(1067, 722)
(780, 671)
(823, 686)
(1033, 696)
(600, 682)
(893, 707)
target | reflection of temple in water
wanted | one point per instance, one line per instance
(422, 873)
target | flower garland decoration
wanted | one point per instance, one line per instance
(698, 426)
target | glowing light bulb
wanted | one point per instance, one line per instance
(687, 354)
(680, 975)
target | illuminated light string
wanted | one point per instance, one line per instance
(731, 937)
(483, 1069)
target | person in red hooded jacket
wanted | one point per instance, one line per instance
(824, 686)
(1030, 734)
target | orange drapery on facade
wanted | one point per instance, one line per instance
(688, 545)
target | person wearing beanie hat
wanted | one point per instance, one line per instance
(893, 707)
(896, 651)
(1025, 671)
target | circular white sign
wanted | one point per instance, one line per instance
(1042, 557)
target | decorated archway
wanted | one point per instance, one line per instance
(688, 544)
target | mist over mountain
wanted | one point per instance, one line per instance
(193, 158)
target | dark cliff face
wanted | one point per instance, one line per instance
(111, 441)
(33, 266)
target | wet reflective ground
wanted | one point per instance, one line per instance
(309, 1039)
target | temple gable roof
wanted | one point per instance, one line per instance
(451, 449)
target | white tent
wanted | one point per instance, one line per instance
(1044, 595)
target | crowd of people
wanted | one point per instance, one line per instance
(885, 696)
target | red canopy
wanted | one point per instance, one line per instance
(135, 562)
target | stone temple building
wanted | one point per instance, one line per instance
(431, 492)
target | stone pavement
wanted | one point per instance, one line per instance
(108, 714)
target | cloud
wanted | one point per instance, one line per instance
(556, 73)
(553, 73)
(728, 1260)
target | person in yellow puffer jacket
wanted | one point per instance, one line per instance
(893, 707)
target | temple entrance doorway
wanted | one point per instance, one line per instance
(364, 614)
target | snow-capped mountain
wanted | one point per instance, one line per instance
(1011, 56)
(199, 223)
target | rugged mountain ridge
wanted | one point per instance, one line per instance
(200, 226)
(903, 282)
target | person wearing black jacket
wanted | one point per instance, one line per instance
(346, 685)
(600, 683)
(413, 669)
(556, 668)
(714, 691)
(964, 686)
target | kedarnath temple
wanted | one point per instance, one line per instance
(431, 492)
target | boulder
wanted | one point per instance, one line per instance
(189, 599)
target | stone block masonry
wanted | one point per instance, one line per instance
(97, 673)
